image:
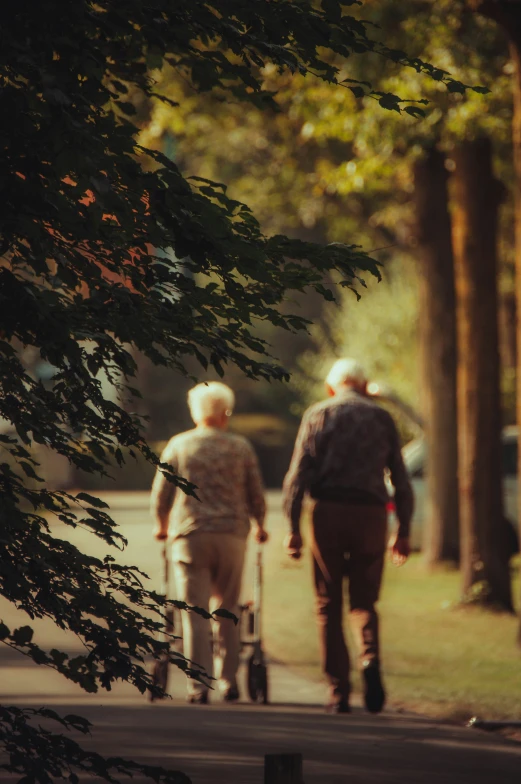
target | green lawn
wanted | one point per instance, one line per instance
(438, 660)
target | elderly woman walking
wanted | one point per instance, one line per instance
(210, 531)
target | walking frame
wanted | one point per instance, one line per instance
(250, 620)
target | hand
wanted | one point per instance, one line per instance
(260, 534)
(160, 535)
(399, 549)
(293, 545)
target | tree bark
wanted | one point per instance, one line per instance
(438, 356)
(507, 330)
(485, 570)
(515, 52)
(507, 13)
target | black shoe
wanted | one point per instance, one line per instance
(231, 694)
(342, 706)
(198, 699)
(374, 694)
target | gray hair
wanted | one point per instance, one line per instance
(344, 371)
(210, 399)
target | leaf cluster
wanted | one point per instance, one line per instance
(37, 754)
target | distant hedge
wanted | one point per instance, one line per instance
(271, 436)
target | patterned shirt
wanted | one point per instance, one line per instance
(229, 486)
(343, 448)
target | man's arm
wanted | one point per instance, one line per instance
(403, 495)
(162, 495)
(301, 472)
(255, 493)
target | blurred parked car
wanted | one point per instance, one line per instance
(415, 454)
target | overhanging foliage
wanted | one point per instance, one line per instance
(84, 214)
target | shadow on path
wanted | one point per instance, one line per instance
(226, 744)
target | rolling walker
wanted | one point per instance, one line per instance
(250, 621)
(251, 636)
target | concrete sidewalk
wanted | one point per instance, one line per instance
(226, 744)
(27, 683)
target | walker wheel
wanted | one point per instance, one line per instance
(159, 676)
(257, 680)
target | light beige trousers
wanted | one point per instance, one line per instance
(208, 573)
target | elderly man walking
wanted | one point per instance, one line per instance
(210, 531)
(343, 448)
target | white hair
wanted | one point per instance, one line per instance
(345, 371)
(210, 399)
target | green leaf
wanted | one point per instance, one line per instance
(91, 499)
(29, 470)
(414, 111)
(78, 722)
(455, 87)
(126, 107)
(119, 86)
(58, 657)
(222, 613)
(4, 631)
(389, 101)
(358, 92)
(22, 636)
(332, 9)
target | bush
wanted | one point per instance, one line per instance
(272, 438)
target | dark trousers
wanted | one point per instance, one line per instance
(350, 540)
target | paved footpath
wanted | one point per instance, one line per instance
(222, 744)
(226, 744)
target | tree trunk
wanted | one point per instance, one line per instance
(485, 570)
(507, 330)
(508, 357)
(507, 13)
(515, 51)
(438, 356)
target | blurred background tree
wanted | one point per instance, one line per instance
(325, 164)
(328, 165)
